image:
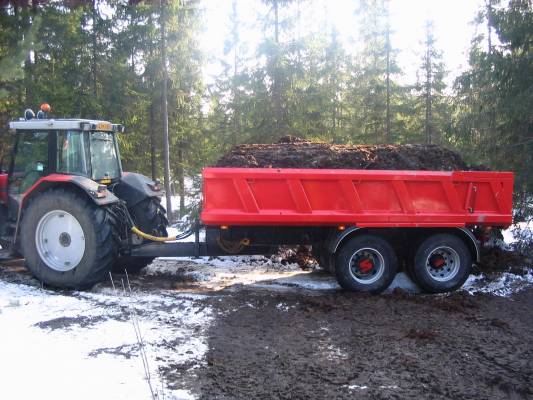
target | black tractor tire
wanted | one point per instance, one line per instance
(150, 217)
(375, 249)
(452, 274)
(101, 240)
(3, 227)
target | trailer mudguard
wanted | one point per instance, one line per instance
(134, 188)
(88, 186)
(335, 239)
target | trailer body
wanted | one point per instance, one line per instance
(362, 198)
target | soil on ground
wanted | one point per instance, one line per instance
(290, 343)
(338, 345)
(292, 152)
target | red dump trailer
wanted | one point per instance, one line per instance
(362, 225)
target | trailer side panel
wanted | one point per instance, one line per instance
(364, 198)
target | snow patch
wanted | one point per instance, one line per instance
(87, 340)
(504, 284)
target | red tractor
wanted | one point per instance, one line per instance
(67, 207)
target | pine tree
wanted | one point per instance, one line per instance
(432, 104)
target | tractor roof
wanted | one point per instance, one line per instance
(65, 124)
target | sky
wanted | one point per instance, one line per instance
(453, 22)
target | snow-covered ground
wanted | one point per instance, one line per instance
(85, 345)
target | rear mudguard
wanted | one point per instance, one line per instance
(134, 188)
(88, 186)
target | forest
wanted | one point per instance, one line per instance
(103, 59)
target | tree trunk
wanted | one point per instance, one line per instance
(181, 180)
(166, 151)
(388, 113)
(236, 111)
(277, 78)
(428, 121)
(153, 160)
(94, 50)
(276, 17)
(489, 26)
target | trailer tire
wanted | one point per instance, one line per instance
(150, 217)
(442, 263)
(366, 263)
(67, 240)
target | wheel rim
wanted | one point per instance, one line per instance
(367, 265)
(60, 240)
(443, 263)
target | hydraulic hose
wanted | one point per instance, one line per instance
(146, 236)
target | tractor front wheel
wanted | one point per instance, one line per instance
(67, 240)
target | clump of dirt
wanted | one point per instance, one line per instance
(294, 152)
(300, 255)
(422, 334)
(496, 259)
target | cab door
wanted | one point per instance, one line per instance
(31, 161)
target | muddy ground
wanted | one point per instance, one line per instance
(271, 338)
(293, 152)
(344, 346)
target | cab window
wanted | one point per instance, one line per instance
(31, 160)
(72, 153)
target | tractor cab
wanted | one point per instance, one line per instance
(78, 147)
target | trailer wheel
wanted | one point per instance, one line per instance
(67, 240)
(442, 263)
(366, 263)
(150, 217)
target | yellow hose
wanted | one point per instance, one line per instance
(152, 238)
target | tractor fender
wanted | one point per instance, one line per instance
(88, 186)
(134, 188)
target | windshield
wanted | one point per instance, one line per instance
(104, 160)
(72, 153)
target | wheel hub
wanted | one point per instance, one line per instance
(365, 265)
(437, 261)
(65, 239)
(60, 240)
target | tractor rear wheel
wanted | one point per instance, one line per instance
(67, 240)
(150, 217)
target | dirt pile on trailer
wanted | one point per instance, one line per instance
(294, 152)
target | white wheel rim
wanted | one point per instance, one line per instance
(60, 240)
(449, 267)
(373, 274)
